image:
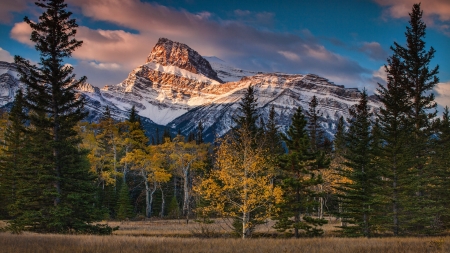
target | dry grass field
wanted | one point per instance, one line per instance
(176, 236)
(179, 228)
(27, 243)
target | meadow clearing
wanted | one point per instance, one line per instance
(177, 236)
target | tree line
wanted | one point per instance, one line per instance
(385, 173)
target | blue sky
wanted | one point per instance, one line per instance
(345, 41)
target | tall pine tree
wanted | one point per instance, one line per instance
(66, 184)
(395, 131)
(358, 191)
(300, 176)
(418, 81)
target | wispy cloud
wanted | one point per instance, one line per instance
(373, 50)
(443, 94)
(8, 7)
(236, 41)
(436, 12)
(5, 56)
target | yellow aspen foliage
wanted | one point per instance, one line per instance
(148, 163)
(240, 186)
(185, 158)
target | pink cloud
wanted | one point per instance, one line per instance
(436, 12)
(7, 7)
(443, 94)
(21, 32)
(5, 56)
(401, 8)
(234, 41)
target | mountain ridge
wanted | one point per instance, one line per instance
(176, 88)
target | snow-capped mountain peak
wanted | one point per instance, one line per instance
(167, 52)
(177, 88)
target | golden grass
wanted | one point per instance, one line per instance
(179, 228)
(87, 243)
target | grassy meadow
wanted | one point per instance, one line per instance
(177, 236)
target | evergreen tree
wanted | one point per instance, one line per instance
(13, 158)
(418, 81)
(395, 132)
(300, 176)
(338, 164)
(124, 209)
(272, 135)
(134, 117)
(66, 184)
(441, 165)
(358, 192)
(247, 114)
(318, 146)
(199, 136)
(166, 135)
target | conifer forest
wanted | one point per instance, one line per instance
(385, 173)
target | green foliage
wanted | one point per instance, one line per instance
(358, 192)
(56, 193)
(420, 208)
(124, 209)
(299, 177)
(173, 209)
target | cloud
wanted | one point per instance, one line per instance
(380, 74)
(436, 12)
(8, 7)
(5, 56)
(256, 19)
(105, 66)
(21, 32)
(373, 50)
(443, 94)
(100, 76)
(235, 41)
(290, 55)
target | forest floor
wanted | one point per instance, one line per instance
(177, 236)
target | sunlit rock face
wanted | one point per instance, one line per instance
(170, 53)
(177, 88)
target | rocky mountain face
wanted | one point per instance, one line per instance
(177, 88)
(167, 52)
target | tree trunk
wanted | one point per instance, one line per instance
(395, 203)
(163, 202)
(148, 205)
(148, 196)
(186, 193)
(245, 229)
(125, 168)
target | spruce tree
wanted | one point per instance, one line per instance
(300, 176)
(272, 135)
(441, 166)
(418, 81)
(66, 184)
(247, 115)
(318, 146)
(124, 207)
(395, 131)
(358, 191)
(199, 135)
(13, 156)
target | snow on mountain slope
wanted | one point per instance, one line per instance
(178, 88)
(95, 102)
(227, 72)
(284, 92)
(9, 82)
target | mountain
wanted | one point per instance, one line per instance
(177, 88)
